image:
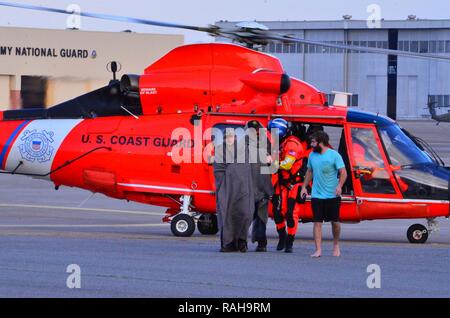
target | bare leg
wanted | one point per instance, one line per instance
(336, 233)
(318, 239)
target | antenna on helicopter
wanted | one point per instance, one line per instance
(114, 67)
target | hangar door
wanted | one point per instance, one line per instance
(407, 106)
(375, 94)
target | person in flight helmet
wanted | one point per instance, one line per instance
(289, 182)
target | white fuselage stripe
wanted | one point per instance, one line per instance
(37, 144)
(388, 200)
(403, 200)
(145, 186)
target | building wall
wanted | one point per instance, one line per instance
(22, 54)
(367, 72)
(418, 78)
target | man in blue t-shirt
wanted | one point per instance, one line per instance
(324, 165)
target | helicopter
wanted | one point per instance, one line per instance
(123, 140)
(431, 106)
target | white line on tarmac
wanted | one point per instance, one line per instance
(78, 209)
(80, 225)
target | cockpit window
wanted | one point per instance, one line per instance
(401, 150)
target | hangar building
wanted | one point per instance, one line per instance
(400, 88)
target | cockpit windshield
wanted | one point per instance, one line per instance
(420, 174)
(401, 150)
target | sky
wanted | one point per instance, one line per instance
(205, 12)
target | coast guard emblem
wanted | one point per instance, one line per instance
(36, 145)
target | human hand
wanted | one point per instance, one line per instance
(303, 192)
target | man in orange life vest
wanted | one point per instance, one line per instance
(290, 180)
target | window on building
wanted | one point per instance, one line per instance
(33, 91)
(439, 100)
(324, 49)
(432, 99)
(292, 48)
(310, 49)
(356, 43)
(407, 46)
(441, 47)
(414, 46)
(271, 48)
(423, 47)
(447, 46)
(432, 46)
(278, 48)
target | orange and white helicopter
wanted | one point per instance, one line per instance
(119, 140)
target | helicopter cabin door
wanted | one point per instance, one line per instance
(374, 184)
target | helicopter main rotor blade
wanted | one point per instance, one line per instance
(246, 33)
(110, 17)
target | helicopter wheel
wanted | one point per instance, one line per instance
(417, 234)
(182, 225)
(207, 224)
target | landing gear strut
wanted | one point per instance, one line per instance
(183, 224)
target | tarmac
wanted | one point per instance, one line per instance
(124, 250)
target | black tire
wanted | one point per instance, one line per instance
(417, 234)
(182, 225)
(207, 224)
